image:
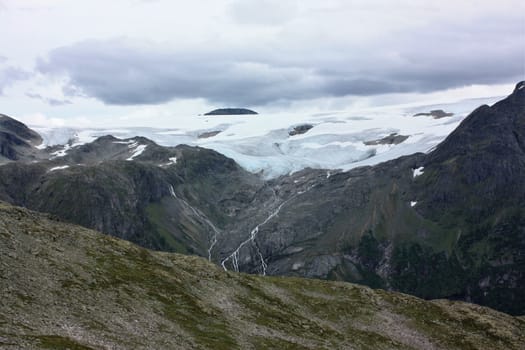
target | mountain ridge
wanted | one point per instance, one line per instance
(69, 287)
(16, 139)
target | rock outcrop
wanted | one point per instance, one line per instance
(231, 111)
(436, 114)
(300, 129)
(392, 139)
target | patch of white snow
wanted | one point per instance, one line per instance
(59, 168)
(61, 153)
(296, 266)
(138, 150)
(418, 171)
(124, 142)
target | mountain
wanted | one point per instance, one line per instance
(447, 224)
(161, 198)
(231, 111)
(16, 140)
(67, 287)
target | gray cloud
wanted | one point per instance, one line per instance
(10, 75)
(51, 101)
(122, 72)
(263, 12)
(128, 72)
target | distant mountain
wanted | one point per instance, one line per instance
(336, 140)
(66, 287)
(231, 111)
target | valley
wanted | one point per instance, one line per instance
(414, 224)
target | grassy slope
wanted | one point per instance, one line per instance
(66, 287)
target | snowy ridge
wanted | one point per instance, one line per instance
(138, 150)
(262, 144)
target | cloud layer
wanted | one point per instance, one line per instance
(260, 52)
(10, 75)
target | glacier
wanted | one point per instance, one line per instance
(262, 143)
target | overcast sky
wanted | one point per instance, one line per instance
(81, 62)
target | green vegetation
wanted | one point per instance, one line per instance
(160, 232)
(71, 288)
(60, 343)
(418, 270)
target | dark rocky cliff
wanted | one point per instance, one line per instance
(16, 140)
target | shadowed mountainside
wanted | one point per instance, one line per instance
(16, 140)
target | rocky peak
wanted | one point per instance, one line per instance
(497, 129)
(519, 86)
(13, 126)
(17, 141)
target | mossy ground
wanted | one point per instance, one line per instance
(68, 287)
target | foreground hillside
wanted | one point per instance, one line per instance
(66, 287)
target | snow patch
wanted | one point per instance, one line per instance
(61, 153)
(59, 168)
(138, 150)
(417, 172)
(296, 266)
(125, 142)
(413, 204)
(172, 160)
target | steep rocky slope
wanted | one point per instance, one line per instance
(66, 287)
(16, 140)
(445, 225)
(170, 199)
